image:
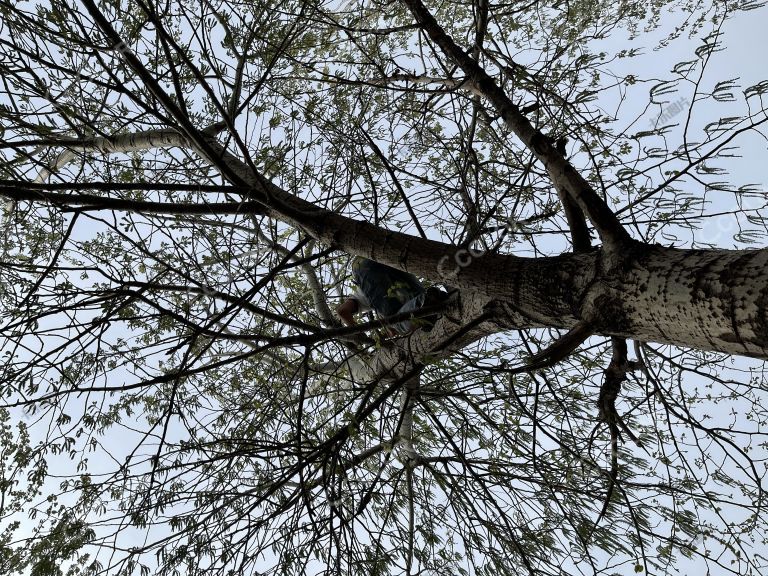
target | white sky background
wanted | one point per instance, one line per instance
(746, 48)
(745, 44)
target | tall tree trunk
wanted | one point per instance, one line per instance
(707, 299)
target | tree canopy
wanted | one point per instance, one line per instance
(183, 186)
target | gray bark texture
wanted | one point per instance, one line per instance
(713, 300)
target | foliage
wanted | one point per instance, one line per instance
(178, 398)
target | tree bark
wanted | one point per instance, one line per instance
(707, 299)
(713, 300)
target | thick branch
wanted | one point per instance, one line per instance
(559, 169)
(36, 193)
(121, 143)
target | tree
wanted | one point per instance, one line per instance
(185, 184)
